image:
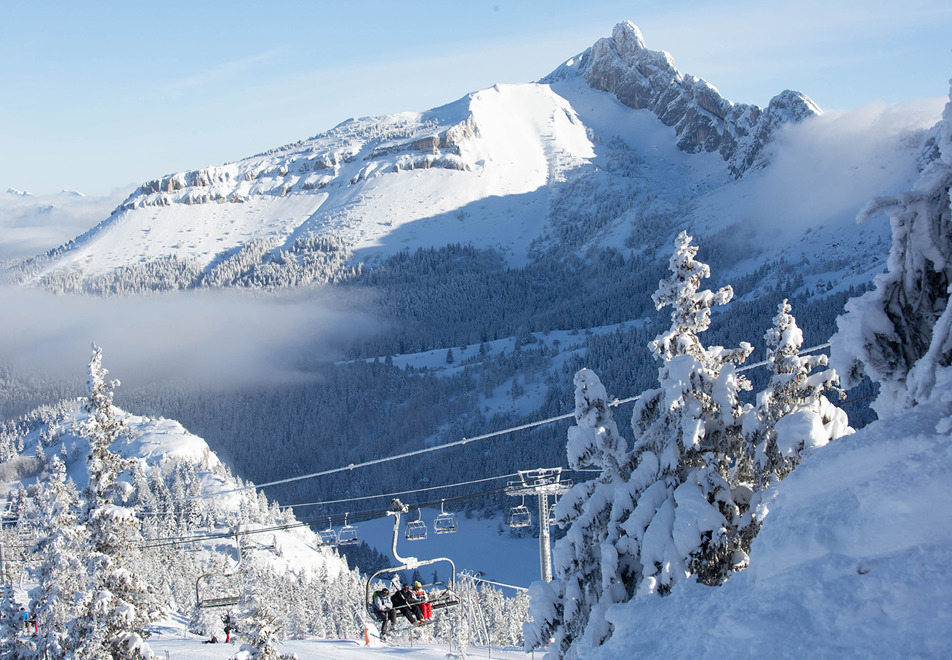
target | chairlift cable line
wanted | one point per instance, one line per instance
(427, 450)
(354, 499)
(403, 492)
(359, 517)
(369, 515)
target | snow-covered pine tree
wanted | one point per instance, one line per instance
(585, 564)
(61, 572)
(259, 622)
(11, 623)
(117, 605)
(792, 414)
(900, 333)
(687, 435)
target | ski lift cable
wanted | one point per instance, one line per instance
(371, 497)
(404, 492)
(427, 450)
(371, 515)
(360, 517)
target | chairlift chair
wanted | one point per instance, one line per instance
(224, 592)
(438, 595)
(445, 523)
(416, 529)
(348, 534)
(520, 516)
(328, 536)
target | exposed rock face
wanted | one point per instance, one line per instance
(703, 120)
(386, 144)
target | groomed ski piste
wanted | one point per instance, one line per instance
(170, 637)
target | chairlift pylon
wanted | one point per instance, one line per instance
(416, 529)
(348, 534)
(520, 516)
(445, 523)
(328, 536)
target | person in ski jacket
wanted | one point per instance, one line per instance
(384, 610)
(405, 601)
(426, 608)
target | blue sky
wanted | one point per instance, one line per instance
(99, 95)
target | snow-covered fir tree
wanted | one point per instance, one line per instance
(665, 509)
(585, 564)
(61, 572)
(259, 622)
(11, 623)
(900, 333)
(687, 436)
(117, 605)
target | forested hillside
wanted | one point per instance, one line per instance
(434, 300)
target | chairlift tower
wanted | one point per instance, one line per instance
(542, 483)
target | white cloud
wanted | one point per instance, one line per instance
(219, 339)
(823, 171)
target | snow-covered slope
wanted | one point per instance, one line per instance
(852, 562)
(159, 446)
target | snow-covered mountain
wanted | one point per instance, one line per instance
(615, 144)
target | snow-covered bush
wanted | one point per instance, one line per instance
(792, 414)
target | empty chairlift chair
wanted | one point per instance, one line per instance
(520, 516)
(416, 529)
(348, 534)
(328, 536)
(220, 590)
(445, 523)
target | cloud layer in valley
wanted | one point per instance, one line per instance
(218, 340)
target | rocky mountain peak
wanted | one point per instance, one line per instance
(703, 119)
(627, 39)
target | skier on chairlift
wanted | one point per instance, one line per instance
(426, 608)
(384, 610)
(405, 601)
